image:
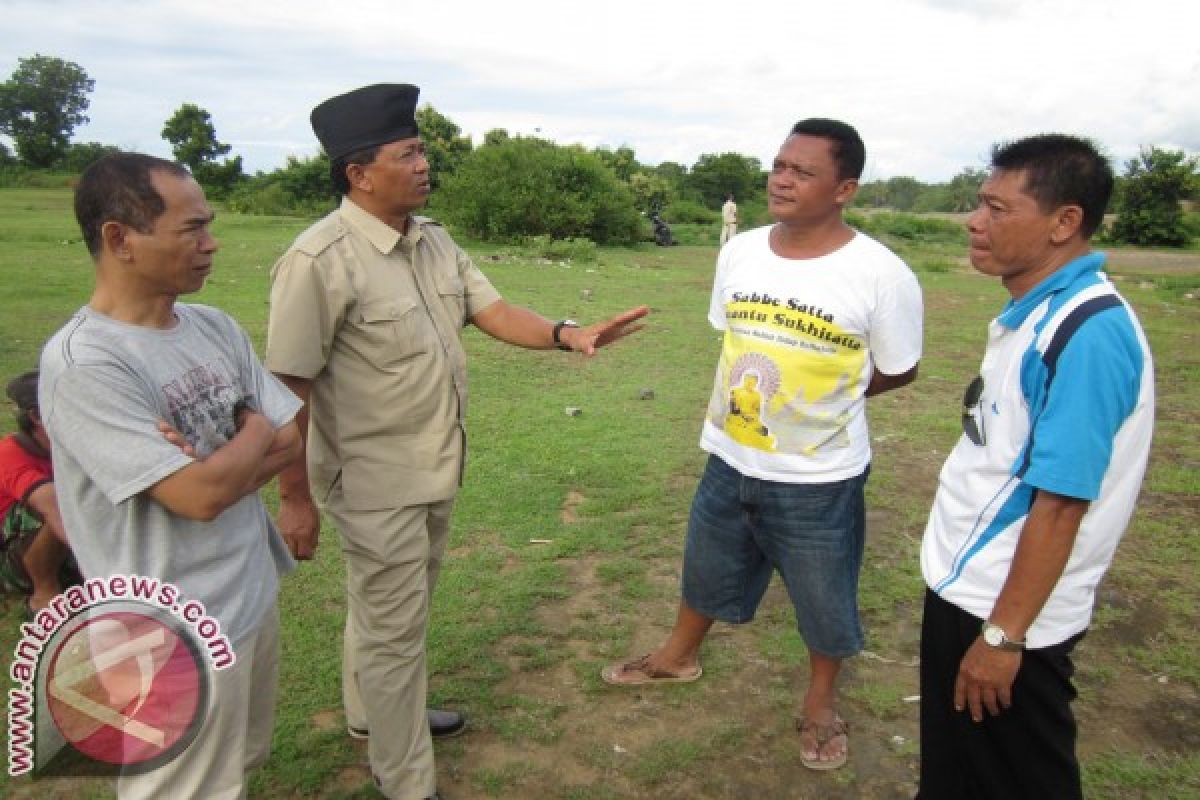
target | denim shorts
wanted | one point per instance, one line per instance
(741, 529)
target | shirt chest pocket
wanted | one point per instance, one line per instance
(393, 331)
(453, 295)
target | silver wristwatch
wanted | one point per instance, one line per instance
(994, 636)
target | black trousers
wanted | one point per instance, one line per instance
(1025, 753)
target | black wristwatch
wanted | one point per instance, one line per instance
(566, 323)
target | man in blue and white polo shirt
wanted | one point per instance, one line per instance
(1036, 494)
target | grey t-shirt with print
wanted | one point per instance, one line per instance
(104, 387)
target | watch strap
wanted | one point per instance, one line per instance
(557, 333)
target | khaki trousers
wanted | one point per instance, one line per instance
(236, 734)
(392, 562)
(728, 231)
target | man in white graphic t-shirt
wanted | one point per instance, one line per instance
(817, 317)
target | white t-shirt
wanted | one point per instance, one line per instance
(802, 338)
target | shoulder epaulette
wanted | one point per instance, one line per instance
(320, 236)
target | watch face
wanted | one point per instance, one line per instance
(993, 635)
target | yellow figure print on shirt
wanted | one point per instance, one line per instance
(785, 378)
(744, 423)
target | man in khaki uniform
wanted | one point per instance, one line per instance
(366, 311)
(728, 219)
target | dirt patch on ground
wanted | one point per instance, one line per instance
(732, 733)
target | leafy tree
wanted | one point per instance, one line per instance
(621, 161)
(445, 147)
(192, 137)
(650, 191)
(960, 194)
(41, 105)
(495, 136)
(525, 186)
(81, 155)
(715, 176)
(193, 140)
(673, 173)
(1148, 210)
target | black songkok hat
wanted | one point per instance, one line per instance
(366, 117)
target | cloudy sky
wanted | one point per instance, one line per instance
(930, 84)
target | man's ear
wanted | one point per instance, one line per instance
(357, 177)
(846, 191)
(114, 237)
(1067, 223)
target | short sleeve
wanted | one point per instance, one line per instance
(716, 301)
(897, 326)
(307, 307)
(107, 421)
(1094, 390)
(479, 290)
(19, 474)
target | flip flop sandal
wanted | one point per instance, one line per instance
(639, 673)
(824, 734)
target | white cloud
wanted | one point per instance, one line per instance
(930, 83)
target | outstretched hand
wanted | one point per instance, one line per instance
(587, 340)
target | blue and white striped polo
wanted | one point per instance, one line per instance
(1067, 407)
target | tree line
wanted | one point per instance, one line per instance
(512, 186)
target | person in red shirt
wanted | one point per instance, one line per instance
(34, 555)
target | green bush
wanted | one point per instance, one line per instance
(693, 235)
(300, 188)
(19, 177)
(908, 227)
(80, 156)
(682, 212)
(931, 264)
(523, 187)
(582, 250)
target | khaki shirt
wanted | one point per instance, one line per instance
(373, 318)
(729, 212)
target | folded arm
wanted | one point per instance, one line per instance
(203, 489)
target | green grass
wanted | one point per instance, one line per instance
(520, 629)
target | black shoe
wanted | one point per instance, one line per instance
(444, 724)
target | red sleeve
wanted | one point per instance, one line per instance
(20, 473)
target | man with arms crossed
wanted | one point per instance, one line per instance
(817, 317)
(367, 309)
(1036, 494)
(164, 425)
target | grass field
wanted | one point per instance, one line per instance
(567, 538)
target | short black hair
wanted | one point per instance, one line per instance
(1061, 170)
(118, 188)
(848, 149)
(337, 167)
(22, 391)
